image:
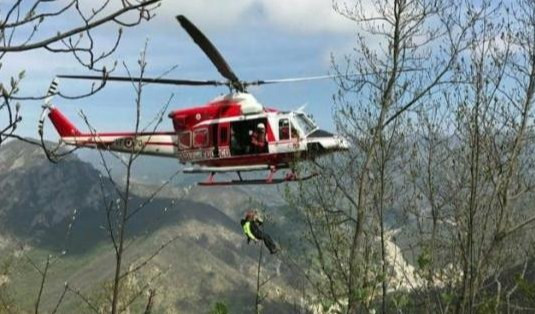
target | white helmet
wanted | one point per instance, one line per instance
(260, 126)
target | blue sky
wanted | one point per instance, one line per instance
(260, 39)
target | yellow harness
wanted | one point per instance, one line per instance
(247, 230)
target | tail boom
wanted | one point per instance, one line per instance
(158, 143)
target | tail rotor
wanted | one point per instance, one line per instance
(47, 105)
(52, 91)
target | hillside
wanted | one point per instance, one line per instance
(208, 262)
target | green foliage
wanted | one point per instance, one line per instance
(447, 297)
(220, 308)
(526, 288)
(424, 260)
(326, 305)
(487, 305)
(400, 301)
(363, 294)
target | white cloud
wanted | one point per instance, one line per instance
(304, 16)
(207, 14)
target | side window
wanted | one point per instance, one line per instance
(200, 137)
(284, 129)
(184, 140)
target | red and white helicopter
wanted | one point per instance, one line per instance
(232, 133)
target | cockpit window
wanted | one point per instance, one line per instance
(305, 123)
(284, 129)
(287, 130)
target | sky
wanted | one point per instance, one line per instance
(260, 39)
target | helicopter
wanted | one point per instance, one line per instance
(232, 133)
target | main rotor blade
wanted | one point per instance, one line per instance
(209, 49)
(145, 80)
(291, 80)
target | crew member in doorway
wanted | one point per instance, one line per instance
(258, 139)
(252, 228)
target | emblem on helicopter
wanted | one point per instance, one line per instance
(128, 143)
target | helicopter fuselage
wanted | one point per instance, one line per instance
(218, 136)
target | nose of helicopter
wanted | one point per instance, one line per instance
(328, 141)
(343, 143)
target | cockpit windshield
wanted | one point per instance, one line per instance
(305, 123)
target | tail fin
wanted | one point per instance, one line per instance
(64, 127)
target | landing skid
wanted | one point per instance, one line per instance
(289, 177)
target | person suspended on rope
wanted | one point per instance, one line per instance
(252, 228)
